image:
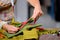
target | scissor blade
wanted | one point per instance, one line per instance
(24, 23)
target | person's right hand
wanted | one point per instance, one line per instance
(10, 28)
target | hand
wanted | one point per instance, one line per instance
(37, 12)
(10, 28)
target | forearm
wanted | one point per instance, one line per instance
(37, 9)
(34, 3)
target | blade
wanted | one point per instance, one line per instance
(27, 21)
(23, 25)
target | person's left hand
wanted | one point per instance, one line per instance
(10, 28)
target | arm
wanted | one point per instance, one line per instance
(34, 3)
(37, 8)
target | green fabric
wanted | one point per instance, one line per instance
(26, 27)
(43, 32)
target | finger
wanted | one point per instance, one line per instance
(42, 13)
(11, 32)
(15, 30)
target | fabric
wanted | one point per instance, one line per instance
(2, 23)
(6, 15)
(29, 27)
(5, 1)
(30, 34)
(27, 34)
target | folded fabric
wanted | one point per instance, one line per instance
(27, 35)
(25, 27)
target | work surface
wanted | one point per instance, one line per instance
(33, 34)
(49, 37)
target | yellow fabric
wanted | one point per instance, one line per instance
(30, 34)
(26, 35)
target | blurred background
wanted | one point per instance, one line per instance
(51, 17)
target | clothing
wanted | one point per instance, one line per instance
(6, 15)
(5, 1)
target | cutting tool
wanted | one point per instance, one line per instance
(24, 23)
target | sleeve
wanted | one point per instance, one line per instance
(2, 23)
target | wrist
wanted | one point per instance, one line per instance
(37, 6)
(5, 26)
